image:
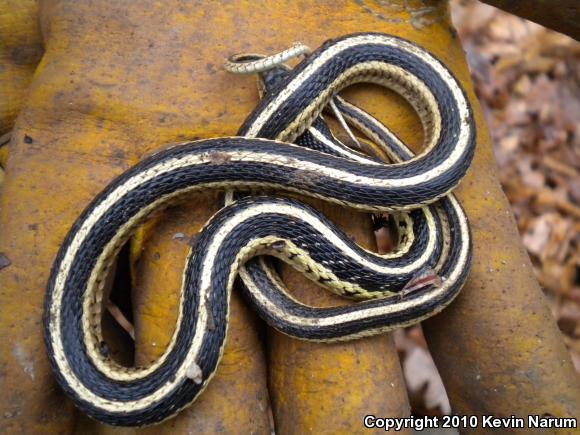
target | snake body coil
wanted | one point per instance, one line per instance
(262, 157)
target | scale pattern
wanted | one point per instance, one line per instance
(263, 157)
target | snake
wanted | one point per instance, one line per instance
(284, 146)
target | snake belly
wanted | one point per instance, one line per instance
(263, 157)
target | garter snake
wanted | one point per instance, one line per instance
(263, 156)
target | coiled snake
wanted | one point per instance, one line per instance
(263, 156)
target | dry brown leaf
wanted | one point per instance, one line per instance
(419, 370)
